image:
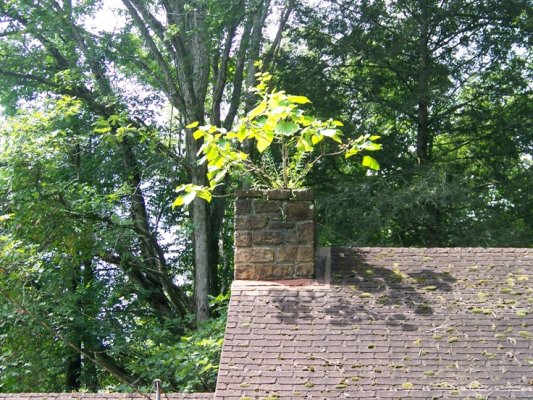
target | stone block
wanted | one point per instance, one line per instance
(243, 206)
(305, 270)
(306, 253)
(242, 222)
(263, 271)
(279, 223)
(269, 206)
(281, 271)
(243, 238)
(287, 253)
(253, 255)
(306, 232)
(278, 194)
(303, 194)
(249, 193)
(259, 221)
(291, 236)
(250, 222)
(245, 272)
(263, 237)
(300, 211)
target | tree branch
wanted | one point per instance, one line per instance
(170, 88)
(274, 48)
(220, 83)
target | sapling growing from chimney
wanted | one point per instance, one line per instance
(277, 123)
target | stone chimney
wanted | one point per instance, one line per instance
(274, 234)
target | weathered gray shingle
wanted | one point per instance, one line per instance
(388, 323)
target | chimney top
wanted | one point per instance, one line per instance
(274, 234)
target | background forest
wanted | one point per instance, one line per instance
(104, 286)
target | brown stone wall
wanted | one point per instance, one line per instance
(274, 234)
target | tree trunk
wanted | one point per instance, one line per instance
(73, 368)
(90, 376)
(423, 135)
(88, 309)
(202, 257)
(73, 358)
(152, 254)
(205, 268)
(218, 208)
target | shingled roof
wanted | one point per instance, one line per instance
(386, 323)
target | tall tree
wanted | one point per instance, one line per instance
(412, 70)
(181, 46)
(196, 54)
(90, 160)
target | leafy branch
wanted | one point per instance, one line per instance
(277, 122)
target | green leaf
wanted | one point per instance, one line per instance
(105, 129)
(198, 134)
(217, 162)
(337, 138)
(219, 176)
(329, 132)
(212, 152)
(205, 194)
(352, 152)
(178, 202)
(189, 197)
(370, 163)
(304, 145)
(373, 146)
(264, 140)
(317, 138)
(5, 217)
(192, 125)
(305, 120)
(298, 99)
(257, 110)
(286, 128)
(241, 133)
(184, 199)
(262, 144)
